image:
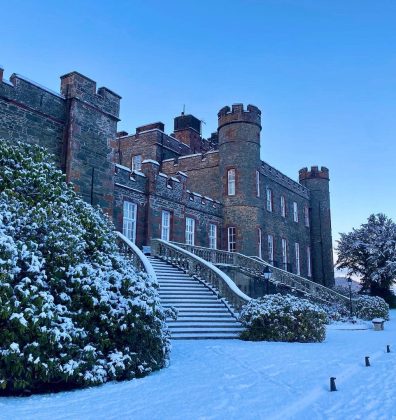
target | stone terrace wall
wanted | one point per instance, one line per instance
(31, 113)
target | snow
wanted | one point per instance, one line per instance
(232, 379)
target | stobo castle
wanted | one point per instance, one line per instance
(180, 187)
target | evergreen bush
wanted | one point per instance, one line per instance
(73, 311)
(370, 307)
(283, 318)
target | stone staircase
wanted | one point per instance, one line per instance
(201, 314)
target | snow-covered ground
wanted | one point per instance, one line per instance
(232, 379)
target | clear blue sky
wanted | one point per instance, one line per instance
(322, 72)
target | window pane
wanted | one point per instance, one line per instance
(231, 239)
(190, 228)
(231, 181)
(129, 220)
(165, 226)
(270, 249)
(297, 255)
(212, 236)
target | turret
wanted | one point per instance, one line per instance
(239, 160)
(317, 181)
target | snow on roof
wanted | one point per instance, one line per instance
(175, 179)
(39, 86)
(125, 168)
(150, 161)
(163, 175)
(139, 173)
(182, 173)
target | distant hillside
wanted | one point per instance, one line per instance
(342, 281)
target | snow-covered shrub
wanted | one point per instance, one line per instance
(73, 310)
(335, 312)
(370, 307)
(283, 318)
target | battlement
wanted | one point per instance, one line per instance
(23, 92)
(315, 172)
(237, 113)
(75, 85)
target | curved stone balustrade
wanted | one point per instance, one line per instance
(256, 267)
(140, 261)
(194, 265)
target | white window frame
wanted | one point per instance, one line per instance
(297, 256)
(231, 239)
(231, 175)
(309, 262)
(260, 236)
(129, 219)
(136, 164)
(212, 236)
(165, 225)
(284, 254)
(295, 211)
(306, 216)
(190, 231)
(258, 183)
(269, 199)
(283, 205)
(270, 243)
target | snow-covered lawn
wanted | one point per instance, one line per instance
(232, 379)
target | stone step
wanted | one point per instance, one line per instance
(199, 329)
(204, 336)
(202, 321)
(189, 292)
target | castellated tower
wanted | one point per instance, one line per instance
(317, 180)
(239, 159)
(91, 124)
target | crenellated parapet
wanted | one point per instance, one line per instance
(237, 113)
(315, 172)
(77, 86)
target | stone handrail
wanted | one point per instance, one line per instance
(140, 261)
(200, 268)
(256, 266)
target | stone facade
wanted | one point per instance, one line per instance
(147, 179)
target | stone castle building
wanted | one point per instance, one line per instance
(180, 187)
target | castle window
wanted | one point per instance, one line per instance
(270, 241)
(212, 236)
(129, 220)
(231, 182)
(260, 255)
(231, 235)
(309, 262)
(297, 256)
(295, 212)
(283, 205)
(165, 225)
(306, 216)
(190, 231)
(284, 254)
(258, 183)
(136, 163)
(269, 200)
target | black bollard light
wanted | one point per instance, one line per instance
(333, 384)
(367, 360)
(388, 348)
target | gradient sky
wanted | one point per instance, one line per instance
(322, 72)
